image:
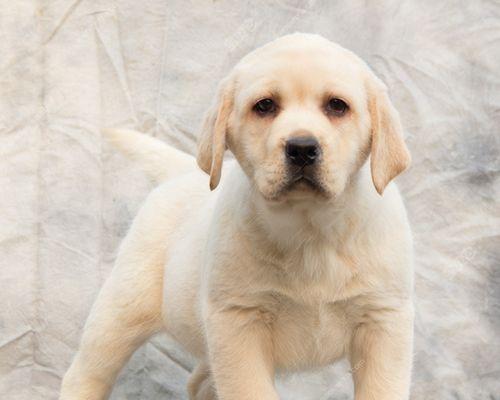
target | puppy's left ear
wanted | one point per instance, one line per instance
(389, 154)
(212, 140)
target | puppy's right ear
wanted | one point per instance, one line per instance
(212, 140)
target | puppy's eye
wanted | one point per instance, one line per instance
(264, 107)
(336, 107)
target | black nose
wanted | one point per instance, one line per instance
(302, 151)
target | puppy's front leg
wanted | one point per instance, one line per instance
(381, 355)
(241, 354)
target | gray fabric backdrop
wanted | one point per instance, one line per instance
(68, 68)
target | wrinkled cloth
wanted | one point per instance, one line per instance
(69, 68)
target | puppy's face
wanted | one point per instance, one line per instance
(300, 124)
(300, 115)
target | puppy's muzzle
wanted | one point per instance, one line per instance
(302, 151)
(302, 155)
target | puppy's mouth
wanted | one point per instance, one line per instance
(303, 179)
(299, 184)
(302, 182)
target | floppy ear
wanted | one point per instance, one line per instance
(212, 140)
(389, 154)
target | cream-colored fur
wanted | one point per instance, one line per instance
(252, 278)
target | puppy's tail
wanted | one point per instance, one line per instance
(156, 158)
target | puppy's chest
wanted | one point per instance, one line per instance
(312, 324)
(310, 335)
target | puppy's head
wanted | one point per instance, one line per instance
(301, 115)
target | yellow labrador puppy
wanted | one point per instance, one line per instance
(303, 254)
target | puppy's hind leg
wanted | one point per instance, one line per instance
(126, 313)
